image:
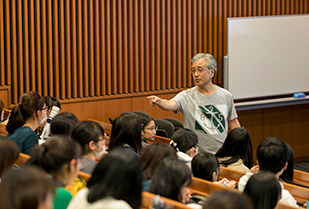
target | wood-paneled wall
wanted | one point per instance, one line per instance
(93, 48)
(102, 57)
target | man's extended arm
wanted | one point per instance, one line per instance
(164, 104)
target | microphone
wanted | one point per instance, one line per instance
(45, 133)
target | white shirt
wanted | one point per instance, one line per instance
(80, 202)
(286, 197)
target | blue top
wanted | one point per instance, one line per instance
(25, 138)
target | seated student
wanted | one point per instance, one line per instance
(62, 124)
(115, 183)
(26, 116)
(9, 152)
(264, 190)
(25, 188)
(288, 173)
(236, 151)
(50, 102)
(90, 136)
(227, 200)
(206, 166)
(126, 133)
(271, 156)
(149, 130)
(151, 157)
(185, 142)
(60, 157)
(171, 179)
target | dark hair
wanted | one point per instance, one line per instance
(126, 131)
(29, 103)
(63, 123)
(203, 165)
(185, 139)
(24, 188)
(51, 101)
(145, 121)
(288, 173)
(85, 132)
(9, 152)
(118, 174)
(169, 177)
(227, 200)
(152, 155)
(54, 154)
(237, 145)
(272, 154)
(264, 190)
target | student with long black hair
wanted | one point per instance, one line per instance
(116, 182)
(264, 190)
(25, 118)
(60, 157)
(236, 151)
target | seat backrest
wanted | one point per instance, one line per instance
(147, 202)
(177, 123)
(3, 131)
(165, 125)
(160, 139)
(22, 159)
(106, 126)
(142, 114)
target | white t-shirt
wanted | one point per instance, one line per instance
(286, 197)
(208, 116)
(80, 202)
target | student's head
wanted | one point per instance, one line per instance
(118, 174)
(205, 166)
(50, 102)
(148, 128)
(9, 152)
(31, 106)
(126, 131)
(227, 200)
(152, 156)
(237, 145)
(288, 173)
(186, 140)
(63, 123)
(209, 59)
(90, 136)
(264, 190)
(171, 179)
(58, 156)
(272, 155)
(25, 188)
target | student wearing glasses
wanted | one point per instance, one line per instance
(207, 108)
(25, 118)
(149, 130)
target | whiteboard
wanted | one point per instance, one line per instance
(267, 56)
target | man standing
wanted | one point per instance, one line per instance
(207, 108)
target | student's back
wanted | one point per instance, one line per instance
(272, 156)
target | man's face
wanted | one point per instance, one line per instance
(201, 74)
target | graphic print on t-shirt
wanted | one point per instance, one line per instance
(209, 119)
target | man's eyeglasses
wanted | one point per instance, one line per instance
(199, 70)
(153, 128)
